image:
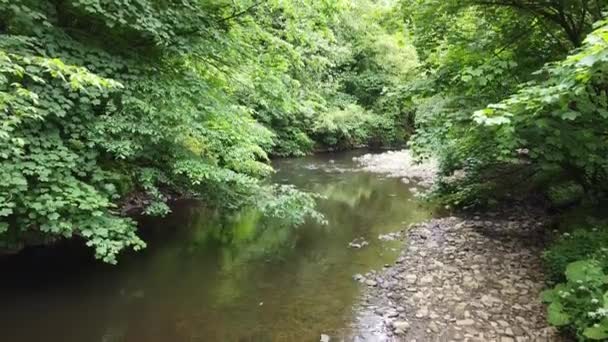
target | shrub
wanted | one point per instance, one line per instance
(581, 303)
(565, 194)
(578, 245)
(343, 127)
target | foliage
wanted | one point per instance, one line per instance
(579, 244)
(289, 206)
(581, 303)
(566, 112)
(51, 182)
(565, 194)
(578, 262)
(381, 62)
(343, 128)
(318, 67)
(511, 98)
(114, 105)
(548, 132)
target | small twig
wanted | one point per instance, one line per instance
(238, 14)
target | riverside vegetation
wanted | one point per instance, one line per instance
(110, 107)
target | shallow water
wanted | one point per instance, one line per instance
(205, 277)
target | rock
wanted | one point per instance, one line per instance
(358, 243)
(465, 322)
(488, 300)
(427, 279)
(325, 338)
(401, 325)
(469, 282)
(460, 309)
(462, 280)
(458, 336)
(392, 313)
(482, 314)
(422, 313)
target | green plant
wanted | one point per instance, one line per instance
(565, 194)
(581, 303)
(113, 106)
(576, 245)
(549, 133)
(343, 128)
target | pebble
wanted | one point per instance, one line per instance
(460, 278)
(467, 321)
(401, 325)
(411, 279)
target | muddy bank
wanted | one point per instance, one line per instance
(461, 278)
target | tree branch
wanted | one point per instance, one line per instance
(243, 12)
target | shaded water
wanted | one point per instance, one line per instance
(205, 277)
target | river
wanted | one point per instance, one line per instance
(208, 277)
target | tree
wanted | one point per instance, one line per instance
(574, 17)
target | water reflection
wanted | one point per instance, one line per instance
(208, 277)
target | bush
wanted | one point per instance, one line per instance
(342, 128)
(552, 125)
(579, 302)
(565, 194)
(578, 245)
(114, 103)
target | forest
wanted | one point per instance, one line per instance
(112, 109)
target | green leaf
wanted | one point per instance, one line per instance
(605, 299)
(584, 271)
(570, 115)
(551, 295)
(599, 332)
(556, 315)
(53, 216)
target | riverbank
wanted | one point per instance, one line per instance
(400, 164)
(472, 277)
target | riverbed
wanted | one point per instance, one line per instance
(206, 276)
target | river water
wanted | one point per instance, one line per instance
(207, 277)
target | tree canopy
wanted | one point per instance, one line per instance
(502, 103)
(109, 106)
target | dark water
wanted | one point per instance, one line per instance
(205, 277)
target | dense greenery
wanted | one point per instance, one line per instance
(118, 106)
(113, 106)
(512, 99)
(530, 122)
